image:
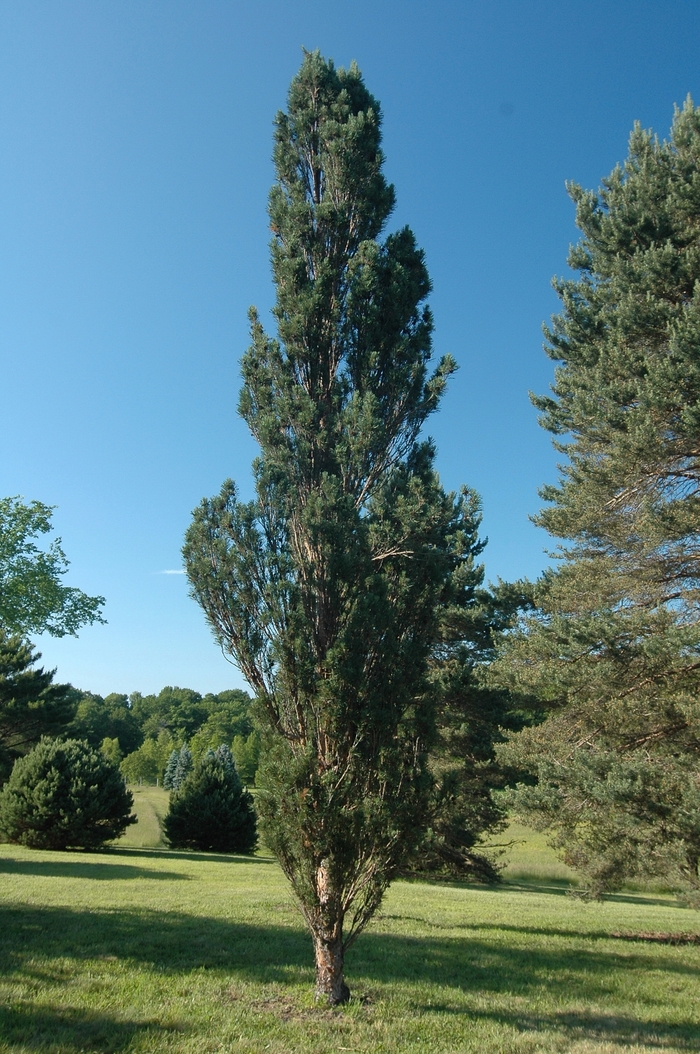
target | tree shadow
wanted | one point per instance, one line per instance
(73, 1031)
(620, 1029)
(35, 943)
(555, 887)
(81, 868)
(682, 937)
(564, 888)
(190, 854)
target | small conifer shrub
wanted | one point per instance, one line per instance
(64, 794)
(212, 810)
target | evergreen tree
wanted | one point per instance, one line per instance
(211, 810)
(471, 720)
(613, 649)
(325, 589)
(31, 705)
(183, 767)
(64, 795)
(170, 770)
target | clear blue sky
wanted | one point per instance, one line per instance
(134, 171)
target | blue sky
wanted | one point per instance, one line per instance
(134, 172)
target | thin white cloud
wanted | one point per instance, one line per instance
(180, 572)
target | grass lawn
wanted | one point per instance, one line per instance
(145, 949)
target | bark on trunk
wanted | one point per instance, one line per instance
(327, 930)
(330, 983)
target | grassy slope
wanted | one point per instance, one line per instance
(150, 806)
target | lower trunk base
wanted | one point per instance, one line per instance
(330, 983)
(339, 995)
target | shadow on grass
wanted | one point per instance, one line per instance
(556, 887)
(189, 854)
(562, 887)
(619, 1029)
(72, 1031)
(525, 882)
(36, 942)
(539, 932)
(81, 868)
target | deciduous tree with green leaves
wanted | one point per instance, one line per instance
(613, 647)
(33, 598)
(326, 588)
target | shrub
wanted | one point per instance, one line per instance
(211, 810)
(64, 794)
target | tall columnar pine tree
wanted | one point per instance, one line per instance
(325, 589)
(614, 646)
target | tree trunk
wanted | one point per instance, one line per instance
(327, 930)
(330, 984)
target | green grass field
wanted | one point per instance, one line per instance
(143, 949)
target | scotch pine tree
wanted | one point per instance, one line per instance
(472, 718)
(31, 705)
(325, 589)
(614, 647)
(211, 809)
(64, 794)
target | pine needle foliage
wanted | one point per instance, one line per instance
(613, 649)
(325, 588)
(170, 770)
(183, 767)
(64, 794)
(211, 809)
(31, 705)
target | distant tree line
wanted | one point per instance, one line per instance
(140, 732)
(61, 752)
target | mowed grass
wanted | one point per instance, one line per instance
(529, 858)
(144, 950)
(150, 806)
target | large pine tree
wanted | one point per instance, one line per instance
(614, 646)
(31, 705)
(325, 589)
